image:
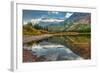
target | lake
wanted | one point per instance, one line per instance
(58, 48)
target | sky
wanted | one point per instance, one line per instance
(29, 15)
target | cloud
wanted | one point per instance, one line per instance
(25, 22)
(36, 21)
(52, 20)
(53, 12)
(68, 14)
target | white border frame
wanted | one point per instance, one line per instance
(16, 59)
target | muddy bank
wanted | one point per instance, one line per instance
(28, 56)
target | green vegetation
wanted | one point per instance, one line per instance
(80, 28)
(56, 28)
(80, 39)
(28, 29)
(74, 31)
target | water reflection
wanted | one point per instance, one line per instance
(61, 48)
(53, 52)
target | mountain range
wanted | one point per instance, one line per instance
(76, 22)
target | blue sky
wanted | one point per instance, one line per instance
(28, 15)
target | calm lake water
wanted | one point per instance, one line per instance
(58, 48)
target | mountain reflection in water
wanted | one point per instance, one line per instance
(52, 52)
